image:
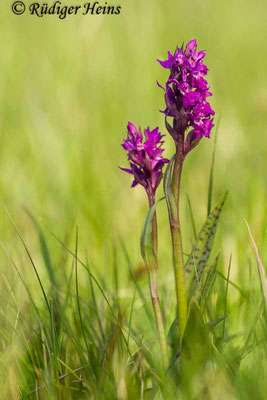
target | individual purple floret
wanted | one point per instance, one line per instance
(145, 156)
(186, 92)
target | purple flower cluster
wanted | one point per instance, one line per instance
(186, 90)
(145, 156)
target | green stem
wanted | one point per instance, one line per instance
(178, 259)
(154, 289)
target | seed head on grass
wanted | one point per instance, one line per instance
(186, 93)
(145, 157)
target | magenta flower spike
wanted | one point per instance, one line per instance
(145, 157)
(186, 93)
(146, 164)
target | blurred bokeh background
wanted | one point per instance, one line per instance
(67, 90)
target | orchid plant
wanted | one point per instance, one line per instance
(188, 118)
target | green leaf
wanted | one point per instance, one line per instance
(146, 245)
(198, 259)
(195, 346)
(205, 282)
(167, 185)
(173, 338)
(214, 322)
(212, 269)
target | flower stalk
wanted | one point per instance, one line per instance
(178, 259)
(154, 287)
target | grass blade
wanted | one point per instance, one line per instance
(260, 266)
(95, 305)
(77, 295)
(29, 256)
(192, 217)
(226, 294)
(86, 268)
(44, 249)
(210, 192)
(131, 316)
(139, 290)
(243, 294)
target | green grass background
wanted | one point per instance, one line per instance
(67, 90)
